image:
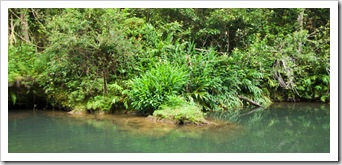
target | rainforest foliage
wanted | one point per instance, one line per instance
(150, 60)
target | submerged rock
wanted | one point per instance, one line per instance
(172, 120)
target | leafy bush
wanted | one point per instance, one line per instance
(286, 67)
(101, 103)
(205, 84)
(155, 86)
(214, 80)
(105, 103)
(20, 59)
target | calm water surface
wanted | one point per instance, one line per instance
(281, 128)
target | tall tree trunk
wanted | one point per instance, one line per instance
(227, 39)
(300, 23)
(24, 25)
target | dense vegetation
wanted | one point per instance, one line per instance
(166, 59)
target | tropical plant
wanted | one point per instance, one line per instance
(153, 88)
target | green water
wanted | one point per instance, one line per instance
(281, 128)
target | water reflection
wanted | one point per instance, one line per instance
(279, 128)
(286, 127)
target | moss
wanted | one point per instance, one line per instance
(184, 114)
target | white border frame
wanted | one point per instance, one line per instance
(332, 156)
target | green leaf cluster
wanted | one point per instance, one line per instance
(153, 88)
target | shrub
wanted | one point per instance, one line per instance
(213, 80)
(155, 86)
(101, 103)
(20, 59)
(107, 102)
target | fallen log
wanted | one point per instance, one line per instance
(249, 100)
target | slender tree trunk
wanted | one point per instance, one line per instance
(227, 40)
(105, 90)
(24, 25)
(12, 36)
(300, 22)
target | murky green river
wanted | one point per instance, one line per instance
(281, 128)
